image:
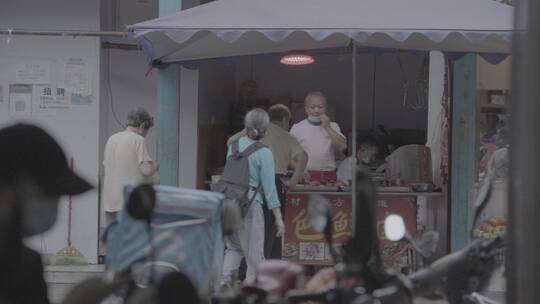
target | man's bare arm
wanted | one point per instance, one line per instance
(301, 160)
(338, 141)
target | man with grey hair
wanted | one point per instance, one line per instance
(248, 241)
(321, 138)
(126, 161)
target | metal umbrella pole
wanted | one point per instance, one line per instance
(64, 33)
(354, 129)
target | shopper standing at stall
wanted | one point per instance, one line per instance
(248, 241)
(285, 149)
(126, 161)
(321, 138)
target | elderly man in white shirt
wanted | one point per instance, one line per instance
(320, 138)
(126, 161)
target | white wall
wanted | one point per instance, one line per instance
(331, 73)
(85, 132)
(76, 128)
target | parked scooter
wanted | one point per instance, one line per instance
(124, 286)
(140, 206)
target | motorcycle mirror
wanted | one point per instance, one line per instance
(394, 227)
(318, 212)
(141, 202)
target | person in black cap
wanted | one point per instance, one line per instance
(34, 174)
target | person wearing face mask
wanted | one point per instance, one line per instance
(321, 138)
(34, 174)
(126, 161)
(368, 150)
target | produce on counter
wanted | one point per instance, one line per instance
(312, 181)
(491, 228)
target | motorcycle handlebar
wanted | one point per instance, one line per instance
(424, 282)
(389, 293)
(453, 266)
(298, 296)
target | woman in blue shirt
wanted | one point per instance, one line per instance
(248, 241)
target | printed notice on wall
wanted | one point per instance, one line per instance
(47, 99)
(33, 72)
(20, 100)
(77, 81)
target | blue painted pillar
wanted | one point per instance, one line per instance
(463, 157)
(168, 109)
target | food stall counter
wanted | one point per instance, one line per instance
(303, 245)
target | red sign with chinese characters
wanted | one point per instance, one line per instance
(301, 244)
(395, 254)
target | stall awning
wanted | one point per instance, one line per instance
(226, 28)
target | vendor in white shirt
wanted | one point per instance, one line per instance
(320, 138)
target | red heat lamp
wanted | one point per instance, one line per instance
(297, 58)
